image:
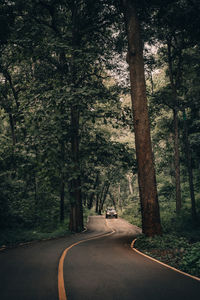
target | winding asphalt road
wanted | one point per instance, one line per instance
(102, 268)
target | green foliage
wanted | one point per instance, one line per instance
(179, 246)
(50, 65)
(16, 236)
(132, 212)
(167, 241)
(174, 250)
(191, 259)
(45, 71)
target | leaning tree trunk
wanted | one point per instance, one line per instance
(146, 172)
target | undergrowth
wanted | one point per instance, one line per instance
(174, 250)
(179, 245)
(13, 236)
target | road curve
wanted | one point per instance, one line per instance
(107, 268)
(101, 268)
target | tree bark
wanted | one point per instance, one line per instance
(76, 214)
(146, 172)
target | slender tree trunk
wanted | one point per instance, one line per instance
(189, 167)
(36, 201)
(93, 193)
(176, 137)
(113, 200)
(105, 195)
(130, 184)
(76, 215)
(62, 178)
(62, 199)
(177, 162)
(12, 127)
(119, 197)
(97, 203)
(107, 185)
(9, 79)
(146, 172)
(101, 198)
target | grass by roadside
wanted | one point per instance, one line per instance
(176, 251)
(179, 245)
(14, 236)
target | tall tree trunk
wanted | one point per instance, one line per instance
(189, 167)
(76, 214)
(146, 172)
(100, 200)
(119, 197)
(106, 189)
(35, 200)
(97, 203)
(176, 137)
(62, 172)
(177, 162)
(62, 199)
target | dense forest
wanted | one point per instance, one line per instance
(75, 130)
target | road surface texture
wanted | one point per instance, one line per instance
(104, 268)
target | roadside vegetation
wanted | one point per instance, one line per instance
(11, 237)
(14, 237)
(178, 246)
(71, 139)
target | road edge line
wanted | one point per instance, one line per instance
(161, 263)
(61, 285)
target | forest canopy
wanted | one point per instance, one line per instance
(71, 138)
